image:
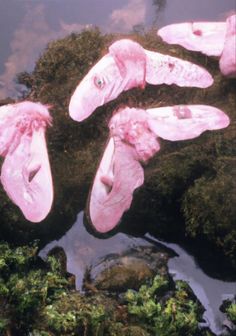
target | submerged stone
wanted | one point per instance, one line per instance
(130, 270)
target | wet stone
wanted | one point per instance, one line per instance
(129, 270)
(134, 331)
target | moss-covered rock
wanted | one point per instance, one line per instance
(189, 186)
(129, 270)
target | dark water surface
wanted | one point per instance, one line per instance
(210, 292)
(85, 251)
(26, 26)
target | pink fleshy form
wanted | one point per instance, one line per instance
(207, 37)
(183, 122)
(26, 174)
(128, 65)
(228, 56)
(133, 140)
(112, 191)
(210, 38)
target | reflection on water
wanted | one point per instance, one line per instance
(84, 250)
(27, 26)
(210, 292)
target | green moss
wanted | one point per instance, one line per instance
(176, 315)
(35, 299)
(26, 286)
(208, 210)
(231, 312)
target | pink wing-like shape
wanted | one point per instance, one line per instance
(26, 174)
(165, 69)
(133, 140)
(184, 122)
(207, 37)
(210, 38)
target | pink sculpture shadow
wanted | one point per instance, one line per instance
(211, 38)
(26, 174)
(133, 140)
(128, 65)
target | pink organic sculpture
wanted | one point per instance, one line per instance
(211, 38)
(134, 139)
(26, 174)
(129, 65)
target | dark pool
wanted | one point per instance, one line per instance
(84, 251)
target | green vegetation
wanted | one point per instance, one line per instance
(26, 286)
(35, 299)
(231, 312)
(34, 296)
(174, 315)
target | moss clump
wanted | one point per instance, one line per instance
(207, 206)
(35, 294)
(35, 299)
(74, 314)
(176, 314)
(26, 285)
(231, 312)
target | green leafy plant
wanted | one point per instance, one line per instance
(26, 285)
(177, 315)
(36, 299)
(231, 312)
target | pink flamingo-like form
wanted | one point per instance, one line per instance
(211, 38)
(26, 174)
(127, 65)
(133, 140)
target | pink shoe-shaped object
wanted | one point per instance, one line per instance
(26, 174)
(133, 140)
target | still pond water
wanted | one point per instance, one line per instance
(84, 252)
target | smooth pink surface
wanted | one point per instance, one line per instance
(121, 69)
(26, 174)
(211, 38)
(228, 56)
(184, 122)
(134, 139)
(207, 37)
(165, 69)
(129, 65)
(112, 191)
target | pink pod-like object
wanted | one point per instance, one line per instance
(128, 65)
(183, 122)
(210, 38)
(228, 57)
(133, 140)
(26, 174)
(119, 174)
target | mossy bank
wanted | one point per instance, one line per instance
(189, 189)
